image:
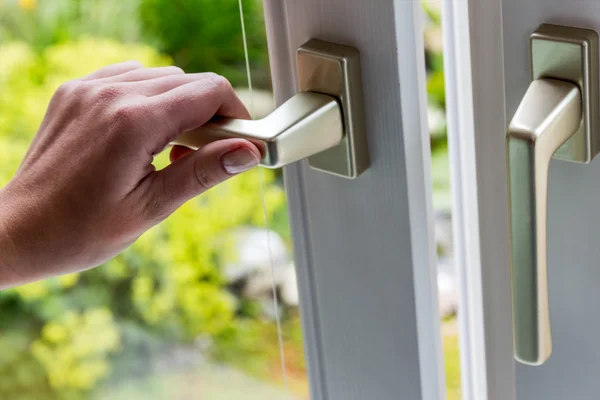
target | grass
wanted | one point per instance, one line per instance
(452, 364)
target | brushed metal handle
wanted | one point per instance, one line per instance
(324, 122)
(558, 118)
(306, 124)
(549, 114)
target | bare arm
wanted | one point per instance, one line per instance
(87, 189)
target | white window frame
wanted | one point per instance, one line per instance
(364, 248)
(478, 97)
(474, 69)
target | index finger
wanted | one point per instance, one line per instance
(193, 104)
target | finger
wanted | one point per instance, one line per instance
(191, 105)
(114, 69)
(179, 151)
(194, 174)
(142, 74)
(161, 85)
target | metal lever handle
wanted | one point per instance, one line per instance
(306, 124)
(549, 114)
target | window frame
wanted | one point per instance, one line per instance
(370, 331)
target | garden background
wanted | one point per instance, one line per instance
(162, 320)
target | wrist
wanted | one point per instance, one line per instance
(9, 252)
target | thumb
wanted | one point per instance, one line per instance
(200, 170)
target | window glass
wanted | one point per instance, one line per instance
(187, 312)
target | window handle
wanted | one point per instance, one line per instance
(549, 114)
(557, 118)
(306, 124)
(324, 122)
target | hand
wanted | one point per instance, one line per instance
(87, 189)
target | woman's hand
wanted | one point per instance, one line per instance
(87, 189)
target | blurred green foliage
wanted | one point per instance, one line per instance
(65, 335)
(442, 197)
(43, 23)
(205, 35)
(199, 35)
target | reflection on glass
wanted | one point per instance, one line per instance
(187, 311)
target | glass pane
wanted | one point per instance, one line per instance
(186, 312)
(447, 282)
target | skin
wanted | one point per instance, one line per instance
(86, 188)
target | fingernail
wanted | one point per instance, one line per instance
(239, 160)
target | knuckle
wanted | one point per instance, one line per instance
(219, 83)
(65, 89)
(108, 93)
(206, 177)
(174, 69)
(69, 96)
(155, 207)
(71, 90)
(135, 63)
(127, 115)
